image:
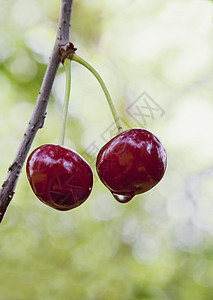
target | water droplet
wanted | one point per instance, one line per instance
(122, 198)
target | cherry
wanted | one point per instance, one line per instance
(131, 163)
(59, 177)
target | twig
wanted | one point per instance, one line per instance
(39, 112)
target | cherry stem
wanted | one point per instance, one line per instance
(66, 101)
(81, 61)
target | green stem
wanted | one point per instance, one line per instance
(66, 101)
(104, 88)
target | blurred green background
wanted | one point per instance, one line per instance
(159, 246)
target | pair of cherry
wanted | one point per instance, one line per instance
(131, 163)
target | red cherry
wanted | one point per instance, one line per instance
(59, 177)
(131, 163)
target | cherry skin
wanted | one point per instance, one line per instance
(131, 163)
(59, 177)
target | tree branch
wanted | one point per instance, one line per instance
(39, 112)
